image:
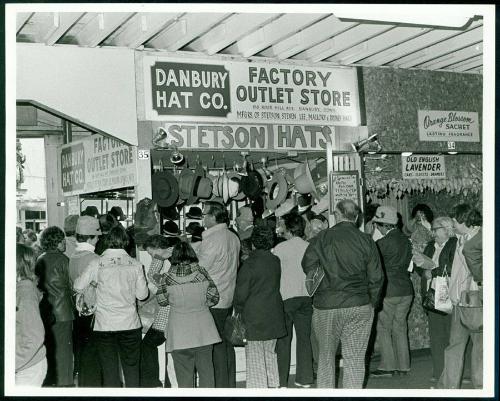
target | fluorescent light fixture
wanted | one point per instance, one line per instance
(406, 154)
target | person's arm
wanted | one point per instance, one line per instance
(207, 254)
(212, 291)
(242, 289)
(86, 277)
(311, 260)
(162, 292)
(156, 265)
(375, 274)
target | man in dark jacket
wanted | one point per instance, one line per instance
(392, 324)
(344, 301)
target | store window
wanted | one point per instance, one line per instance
(35, 215)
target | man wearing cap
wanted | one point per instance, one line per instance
(86, 364)
(343, 305)
(244, 224)
(69, 229)
(219, 254)
(392, 325)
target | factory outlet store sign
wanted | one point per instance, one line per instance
(243, 92)
(454, 126)
(248, 136)
(96, 164)
(423, 166)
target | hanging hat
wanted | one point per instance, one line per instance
(257, 206)
(186, 178)
(278, 189)
(234, 176)
(118, 213)
(304, 183)
(201, 187)
(170, 213)
(194, 212)
(285, 208)
(165, 188)
(215, 184)
(192, 226)
(304, 202)
(252, 184)
(170, 228)
(230, 188)
(195, 229)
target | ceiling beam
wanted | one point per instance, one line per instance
(21, 19)
(100, 27)
(465, 65)
(452, 58)
(62, 23)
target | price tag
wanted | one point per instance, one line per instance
(143, 154)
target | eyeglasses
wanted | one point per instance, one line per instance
(437, 228)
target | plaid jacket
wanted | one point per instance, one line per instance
(182, 270)
(161, 318)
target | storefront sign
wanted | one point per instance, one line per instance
(248, 136)
(343, 185)
(97, 164)
(239, 91)
(423, 166)
(437, 125)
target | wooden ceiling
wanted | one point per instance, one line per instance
(322, 38)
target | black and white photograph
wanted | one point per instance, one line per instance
(273, 200)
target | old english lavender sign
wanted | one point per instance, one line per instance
(456, 126)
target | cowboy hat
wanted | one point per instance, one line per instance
(304, 183)
(165, 188)
(278, 189)
(234, 176)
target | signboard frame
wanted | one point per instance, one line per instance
(334, 175)
(448, 126)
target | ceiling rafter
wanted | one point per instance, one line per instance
(21, 19)
(65, 22)
(272, 33)
(100, 27)
(452, 57)
(473, 62)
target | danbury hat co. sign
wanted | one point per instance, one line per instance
(184, 89)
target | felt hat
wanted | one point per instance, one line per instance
(70, 222)
(88, 225)
(165, 188)
(229, 187)
(186, 178)
(118, 213)
(90, 211)
(304, 203)
(286, 207)
(234, 176)
(386, 214)
(278, 189)
(252, 184)
(195, 230)
(201, 186)
(304, 183)
(170, 213)
(170, 228)
(194, 212)
(192, 226)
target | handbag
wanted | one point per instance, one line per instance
(429, 299)
(313, 279)
(235, 330)
(442, 301)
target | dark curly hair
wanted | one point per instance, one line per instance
(51, 237)
(295, 224)
(263, 237)
(117, 238)
(421, 207)
(465, 213)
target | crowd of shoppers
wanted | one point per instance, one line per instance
(257, 271)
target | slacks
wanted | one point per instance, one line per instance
(224, 358)
(439, 335)
(86, 361)
(191, 360)
(150, 368)
(392, 334)
(32, 376)
(350, 326)
(298, 313)
(262, 364)
(59, 344)
(125, 345)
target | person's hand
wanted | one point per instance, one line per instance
(428, 274)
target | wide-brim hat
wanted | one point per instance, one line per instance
(169, 213)
(170, 228)
(234, 176)
(252, 184)
(165, 188)
(278, 189)
(286, 207)
(194, 212)
(186, 178)
(230, 188)
(304, 183)
(201, 189)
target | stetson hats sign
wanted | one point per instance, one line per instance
(165, 188)
(278, 189)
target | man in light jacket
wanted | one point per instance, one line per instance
(343, 305)
(219, 254)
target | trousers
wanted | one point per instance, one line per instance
(350, 326)
(298, 314)
(224, 358)
(59, 344)
(32, 376)
(262, 364)
(191, 360)
(150, 368)
(392, 334)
